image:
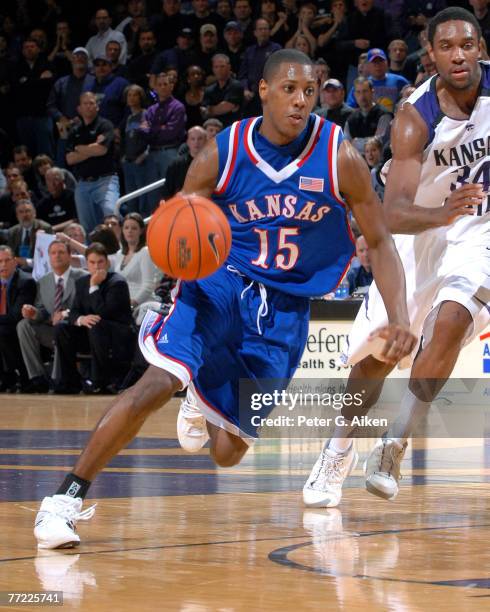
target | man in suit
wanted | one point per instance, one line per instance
(100, 321)
(16, 288)
(22, 237)
(55, 296)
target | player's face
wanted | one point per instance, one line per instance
(288, 99)
(456, 51)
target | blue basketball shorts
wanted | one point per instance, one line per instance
(223, 329)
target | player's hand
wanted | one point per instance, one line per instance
(29, 311)
(461, 202)
(89, 321)
(399, 342)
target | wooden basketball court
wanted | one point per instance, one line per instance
(173, 532)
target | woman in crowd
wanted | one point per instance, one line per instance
(133, 261)
(193, 96)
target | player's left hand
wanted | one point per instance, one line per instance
(399, 342)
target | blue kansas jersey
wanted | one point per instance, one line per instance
(288, 219)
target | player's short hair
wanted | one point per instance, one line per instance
(453, 13)
(283, 56)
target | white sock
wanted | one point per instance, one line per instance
(339, 445)
(412, 412)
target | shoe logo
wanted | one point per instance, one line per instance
(73, 490)
(470, 126)
(211, 240)
(164, 339)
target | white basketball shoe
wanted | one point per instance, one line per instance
(382, 468)
(191, 424)
(323, 489)
(55, 524)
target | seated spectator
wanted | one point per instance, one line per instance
(133, 148)
(76, 238)
(54, 299)
(22, 237)
(41, 164)
(133, 260)
(101, 322)
(23, 161)
(373, 152)
(224, 98)
(176, 173)
(58, 207)
(360, 277)
(333, 106)
(212, 127)
(242, 14)
(7, 203)
(369, 120)
(426, 68)
(104, 235)
(386, 86)
(16, 288)
(202, 15)
(114, 224)
(398, 53)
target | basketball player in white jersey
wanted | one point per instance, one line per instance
(438, 206)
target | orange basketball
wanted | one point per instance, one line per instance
(188, 237)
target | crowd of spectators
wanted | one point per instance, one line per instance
(102, 99)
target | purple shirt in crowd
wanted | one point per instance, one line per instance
(166, 123)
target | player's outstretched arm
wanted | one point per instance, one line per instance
(203, 172)
(355, 185)
(408, 138)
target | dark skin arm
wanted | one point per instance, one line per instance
(203, 172)
(355, 185)
(408, 137)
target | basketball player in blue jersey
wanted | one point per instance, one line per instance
(285, 182)
(437, 202)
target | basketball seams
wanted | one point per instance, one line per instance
(198, 232)
(169, 239)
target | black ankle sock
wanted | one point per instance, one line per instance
(74, 486)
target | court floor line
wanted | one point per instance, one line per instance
(274, 556)
(281, 557)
